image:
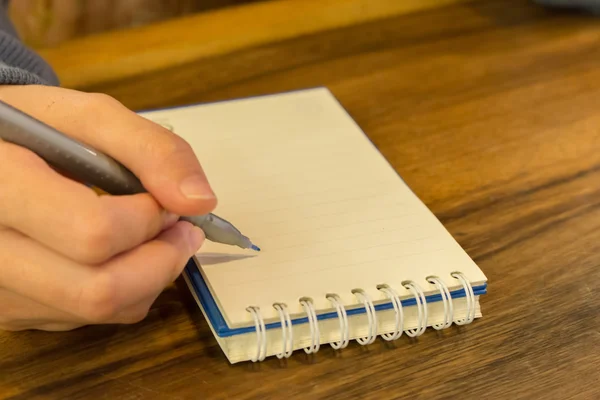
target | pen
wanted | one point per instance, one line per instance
(91, 167)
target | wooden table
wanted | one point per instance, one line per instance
(491, 112)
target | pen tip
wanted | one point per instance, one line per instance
(255, 247)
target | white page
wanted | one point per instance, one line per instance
(298, 176)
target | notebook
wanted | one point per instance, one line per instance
(348, 251)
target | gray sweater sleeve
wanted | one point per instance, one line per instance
(20, 65)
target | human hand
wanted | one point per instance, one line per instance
(69, 257)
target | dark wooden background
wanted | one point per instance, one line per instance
(491, 112)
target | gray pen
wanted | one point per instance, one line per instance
(94, 168)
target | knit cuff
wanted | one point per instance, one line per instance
(17, 76)
(21, 66)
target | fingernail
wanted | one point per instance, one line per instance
(196, 238)
(196, 187)
(169, 219)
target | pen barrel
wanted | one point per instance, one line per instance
(66, 154)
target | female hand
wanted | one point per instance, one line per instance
(69, 257)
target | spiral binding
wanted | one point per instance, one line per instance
(261, 334)
(315, 336)
(286, 328)
(421, 308)
(342, 315)
(371, 316)
(343, 318)
(470, 299)
(386, 289)
(446, 299)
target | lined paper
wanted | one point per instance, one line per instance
(298, 176)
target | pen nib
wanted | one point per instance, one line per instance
(255, 247)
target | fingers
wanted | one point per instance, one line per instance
(166, 164)
(102, 293)
(76, 222)
(132, 278)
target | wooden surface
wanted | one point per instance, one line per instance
(45, 24)
(490, 112)
(116, 55)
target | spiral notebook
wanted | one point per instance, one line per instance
(348, 252)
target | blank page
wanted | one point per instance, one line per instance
(299, 177)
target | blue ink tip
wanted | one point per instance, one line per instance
(255, 247)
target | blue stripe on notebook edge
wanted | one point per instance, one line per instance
(220, 325)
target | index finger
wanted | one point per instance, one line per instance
(164, 162)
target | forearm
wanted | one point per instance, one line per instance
(20, 65)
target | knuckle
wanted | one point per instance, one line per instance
(96, 103)
(98, 301)
(99, 99)
(164, 144)
(94, 237)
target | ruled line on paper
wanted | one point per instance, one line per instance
(310, 214)
(262, 212)
(308, 272)
(251, 182)
(240, 271)
(306, 191)
(321, 224)
(345, 250)
(341, 237)
(308, 205)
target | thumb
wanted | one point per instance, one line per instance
(165, 163)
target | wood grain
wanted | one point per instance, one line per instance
(489, 111)
(45, 24)
(87, 61)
